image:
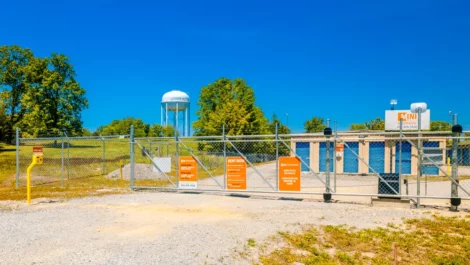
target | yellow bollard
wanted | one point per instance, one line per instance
(120, 168)
(28, 181)
(37, 160)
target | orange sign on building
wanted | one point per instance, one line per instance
(236, 173)
(289, 174)
(339, 147)
(187, 173)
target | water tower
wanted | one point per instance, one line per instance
(175, 107)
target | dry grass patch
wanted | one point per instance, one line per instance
(438, 240)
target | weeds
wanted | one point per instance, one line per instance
(439, 240)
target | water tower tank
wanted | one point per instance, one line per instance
(176, 103)
(176, 100)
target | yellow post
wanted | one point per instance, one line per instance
(28, 180)
(120, 168)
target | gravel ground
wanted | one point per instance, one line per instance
(164, 228)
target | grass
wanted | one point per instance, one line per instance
(435, 240)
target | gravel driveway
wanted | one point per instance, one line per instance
(163, 228)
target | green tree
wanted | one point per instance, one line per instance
(316, 124)
(39, 95)
(357, 127)
(85, 132)
(281, 128)
(377, 124)
(123, 127)
(14, 62)
(156, 130)
(230, 103)
(53, 99)
(440, 126)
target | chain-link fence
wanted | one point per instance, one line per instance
(428, 165)
(76, 162)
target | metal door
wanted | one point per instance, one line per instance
(351, 163)
(303, 151)
(405, 158)
(432, 152)
(377, 157)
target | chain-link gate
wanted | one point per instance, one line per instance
(414, 166)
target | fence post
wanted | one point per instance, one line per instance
(132, 156)
(63, 161)
(327, 133)
(17, 157)
(455, 201)
(68, 155)
(400, 157)
(225, 157)
(177, 158)
(334, 157)
(418, 186)
(277, 157)
(104, 155)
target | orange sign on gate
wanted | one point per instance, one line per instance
(289, 174)
(236, 173)
(188, 169)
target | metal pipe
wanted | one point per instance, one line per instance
(328, 159)
(17, 157)
(418, 186)
(176, 158)
(334, 156)
(63, 161)
(400, 157)
(225, 157)
(455, 162)
(277, 157)
(132, 155)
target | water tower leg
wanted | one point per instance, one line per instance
(166, 114)
(184, 124)
(176, 119)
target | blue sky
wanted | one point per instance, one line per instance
(342, 60)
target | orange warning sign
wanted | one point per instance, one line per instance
(37, 150)
(339, 147)
(236, 173)
(289, 174)
(188, 169)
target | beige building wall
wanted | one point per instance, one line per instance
(315, 156)
(340, 163)
(364, 155)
